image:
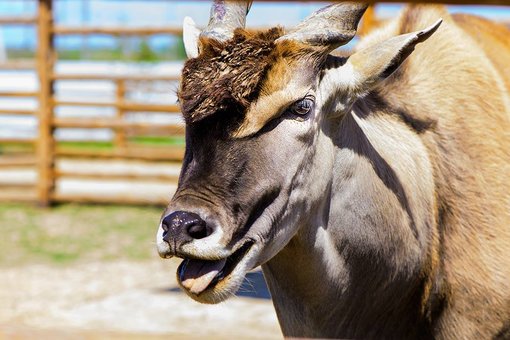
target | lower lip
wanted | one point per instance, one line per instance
(245, 248)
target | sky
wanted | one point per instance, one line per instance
(161, 13)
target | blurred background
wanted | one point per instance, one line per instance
(91, 141)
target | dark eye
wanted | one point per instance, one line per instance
(302, 107)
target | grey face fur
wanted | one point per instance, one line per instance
(247, 190)
(252, 185)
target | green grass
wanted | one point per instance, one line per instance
(71, 233)
(87, 145)
(156, 141)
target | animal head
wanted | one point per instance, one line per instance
(261, 110)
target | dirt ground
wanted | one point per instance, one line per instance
(124, 300)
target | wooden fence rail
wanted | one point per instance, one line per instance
(18, 20)
(48, 152)
(18, 65)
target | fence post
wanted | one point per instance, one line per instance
(45, 141)
(120, 133)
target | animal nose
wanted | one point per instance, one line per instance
(181, 226)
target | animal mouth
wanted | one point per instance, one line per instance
(197, 276)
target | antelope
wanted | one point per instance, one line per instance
(373, 188)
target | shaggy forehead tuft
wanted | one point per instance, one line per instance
(227, 76)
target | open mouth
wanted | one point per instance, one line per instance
(198, 275)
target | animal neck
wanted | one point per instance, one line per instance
(323, 290)
(358, 266)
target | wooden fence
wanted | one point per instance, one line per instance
(48, 151)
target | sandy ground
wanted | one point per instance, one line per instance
(124, 300)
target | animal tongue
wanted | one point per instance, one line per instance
(196, 275)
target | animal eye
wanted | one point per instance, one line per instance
(302, 107)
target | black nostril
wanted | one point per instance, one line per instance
(164, 225)
(198, 230)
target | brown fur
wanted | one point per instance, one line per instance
(226, 75)
(460, 87)
(291, 73)
(492, 37)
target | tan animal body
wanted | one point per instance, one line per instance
(374, 189)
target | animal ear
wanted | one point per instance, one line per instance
(329, 27)
(190, 34)
(371, 65)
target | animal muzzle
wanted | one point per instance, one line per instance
(180, 228)
(206, 261)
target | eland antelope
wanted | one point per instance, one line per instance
(372, 188)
